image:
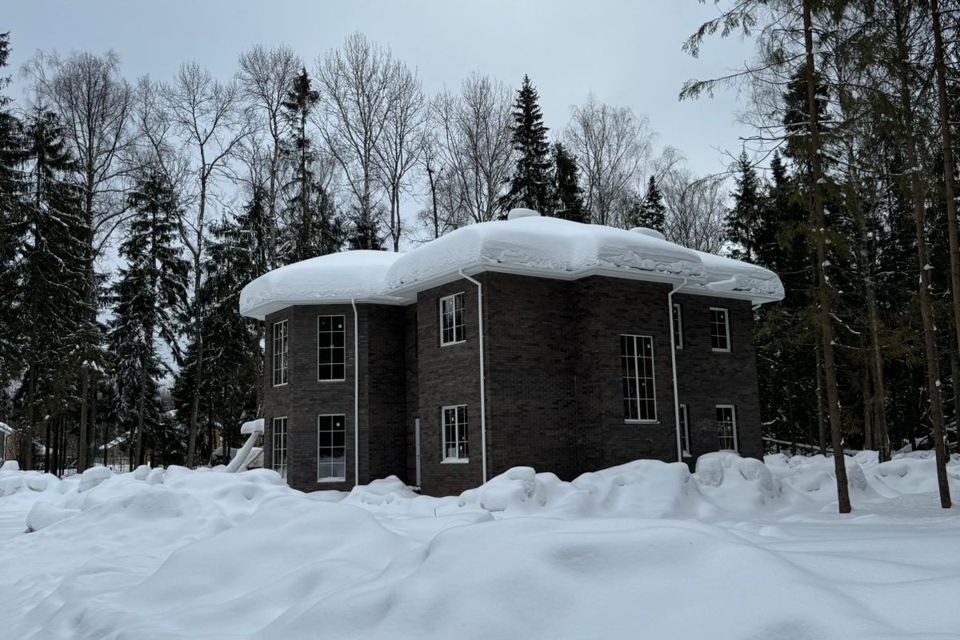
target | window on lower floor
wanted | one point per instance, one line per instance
(280, 446)
(684, 430)
(455, 443)
(331, 352)
(727, 426)
(639, 389)
(331, 448)
(719, 329)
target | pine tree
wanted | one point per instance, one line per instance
(151, 289)
(567, 198)
(529, 185)
(650, 211)
(744, 217)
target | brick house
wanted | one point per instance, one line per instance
(532, 341)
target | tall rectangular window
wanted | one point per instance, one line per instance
(719, 329)
(639, 388)
(684, 430)
(677, 326)
(727, 426)
(331, 448)
(281, 346)
(280, 446)
(455, 443)
(331, 352)
(451, 319)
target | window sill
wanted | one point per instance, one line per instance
(330, 480)
(451, 344)
(282, 384)
(455, 461)
(641, 422)
(333, 380)
(720, 350)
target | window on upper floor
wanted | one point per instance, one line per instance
(719, 329)
(727, 426)
(684, 431)
(280, 446)
(451, 319)
(280, 346)
(331, 448)
(455, 443)
(331, 352)
(639, 387)
(677, 326)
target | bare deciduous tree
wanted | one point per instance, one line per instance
(611, 145)
(266, 76)
(207, 115)
(356, 99)
(398, 150)
(475, 148)
(695, 209)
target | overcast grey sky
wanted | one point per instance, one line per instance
(627, 52)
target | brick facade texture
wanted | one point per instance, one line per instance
(552, 376)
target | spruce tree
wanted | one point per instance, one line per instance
(11, 226)
(650, 211)
(743, 218)
(566, 200)
(530, 182)
(51, 275)
(151, 289)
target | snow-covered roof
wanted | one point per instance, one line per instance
(5, 428)
(526, 244)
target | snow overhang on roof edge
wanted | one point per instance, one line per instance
(537, 247)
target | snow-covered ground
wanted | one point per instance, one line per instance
(739, 550)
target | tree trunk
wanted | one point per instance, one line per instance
(826, 327)
(923, 263)
(948, 169)
(821, 423)
(881, 435)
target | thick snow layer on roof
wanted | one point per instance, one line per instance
(529, 244)
(337, 277)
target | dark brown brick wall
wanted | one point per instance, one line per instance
(708, 378)
(304, 398)
(447, 376)
(553, 378)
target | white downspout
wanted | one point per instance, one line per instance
(673, 362)
(483, 394)
(356, 394)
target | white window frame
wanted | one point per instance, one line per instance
(281, 356)
(677, 326)
(457, 425)
(343, 320)
(733, 427)
(343, 478)
(726, 328)
(280, 462)
(685, 431)
(452, 298)
(653, 377)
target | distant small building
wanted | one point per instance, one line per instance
(533, 341)
(6, 442)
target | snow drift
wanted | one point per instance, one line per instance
(737, 549)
